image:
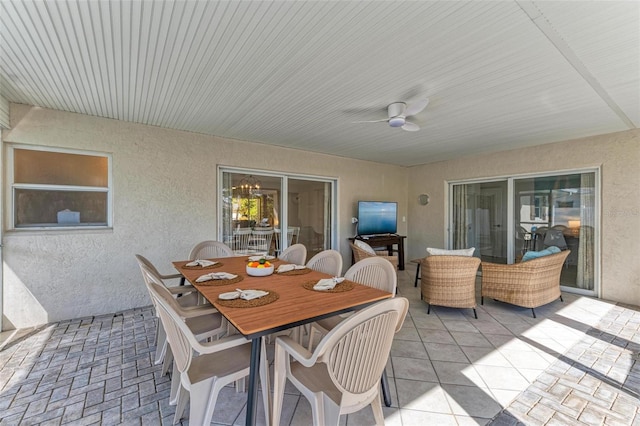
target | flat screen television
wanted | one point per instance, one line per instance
(377, 217)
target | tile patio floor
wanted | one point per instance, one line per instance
(577, 363)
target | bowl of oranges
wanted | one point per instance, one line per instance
(259, 268)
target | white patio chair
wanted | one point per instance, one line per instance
(375, 272)
(204, 321)
(296, 254)
(342, 375)
(186, 296)
(209, 250)
(327, 261)
(203, 369)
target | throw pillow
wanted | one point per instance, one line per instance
(364, 246)
(537, 254)
(442, 252)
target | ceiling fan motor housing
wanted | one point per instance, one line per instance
(396, 114)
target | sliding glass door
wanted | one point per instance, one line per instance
(480, 218)
(560, 211)
(267, 212)
(505, 218)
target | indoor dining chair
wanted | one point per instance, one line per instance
(342, 374)
(260, 241)
(327, 261)
(203, 369)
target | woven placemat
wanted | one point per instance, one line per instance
(217, 265)
(339, 288)
(223, 282)
(295, 272)
(241, 303)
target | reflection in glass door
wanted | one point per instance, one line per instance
(559, 211)
(479, 219)
(309, 214)
(260, 216)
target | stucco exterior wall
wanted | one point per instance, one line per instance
(617, 155)
(164, 201)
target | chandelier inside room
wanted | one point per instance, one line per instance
(249, 185)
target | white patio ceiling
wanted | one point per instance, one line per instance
(499, 74)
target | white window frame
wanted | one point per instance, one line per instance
(11, 225)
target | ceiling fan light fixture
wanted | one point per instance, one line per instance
(397, 121)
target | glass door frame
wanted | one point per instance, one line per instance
(448, 231)
(284, 198)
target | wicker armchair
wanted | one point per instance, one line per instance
(359, 254)
(450, 281)
(528, 284)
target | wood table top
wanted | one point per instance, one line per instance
(295, 306)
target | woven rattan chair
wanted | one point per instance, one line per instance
(450, 281)
(528, 284)
(359, 254)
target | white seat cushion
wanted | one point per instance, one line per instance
(443, 252)
(364, 246)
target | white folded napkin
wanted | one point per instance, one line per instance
(257, 258)
(251, 294)
(327, 283)
(215, 276)
(201, 262)
(289, 267)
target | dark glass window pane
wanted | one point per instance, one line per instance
(34, 207)
(59, 168)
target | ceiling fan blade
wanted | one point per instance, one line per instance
(410, 127)
(416, 106)
(372, 121)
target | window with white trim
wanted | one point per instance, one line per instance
(59, 188)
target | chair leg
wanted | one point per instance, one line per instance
(378, 415)
(533, 312)
(384, 382)
(415, 283)
(428, 308)
(482, 300)
(475, 314)
(561, 298)
(279, 380)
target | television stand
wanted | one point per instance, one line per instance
(387, 241)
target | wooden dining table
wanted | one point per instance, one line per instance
(295, 306)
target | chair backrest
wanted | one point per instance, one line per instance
(292, 234)
(360, 253)
(210, 249)
(555, 237)
(376, 272)
(143, 261)
(296, 254)
(327, 261)
(179, 336)
(356, 350)
(240, 242)
(152, 280)
(450, 271)
(261, 240)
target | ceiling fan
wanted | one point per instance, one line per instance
(399, 111)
